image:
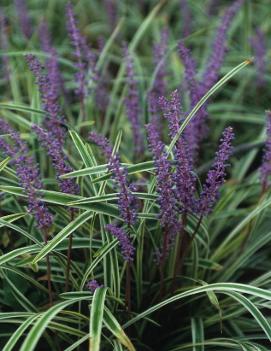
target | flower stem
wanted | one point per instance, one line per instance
(69, 257)
(50, 294)
(162, 263)
(128, 287)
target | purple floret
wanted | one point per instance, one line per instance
(92, 285)
(127, 200)
(216, 176)
(126, 246)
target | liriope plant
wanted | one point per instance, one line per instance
(134, 176)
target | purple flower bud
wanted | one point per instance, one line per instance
(28, 174)
(210, 75)
(92, 285)
(216, 176)
(132, 102)
(24, 19)
(265, 169)
(126, 201)
(259, 47)
(126, 246)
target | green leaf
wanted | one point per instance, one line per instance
(256, 313)
(219, 287)
(132, 169)
(96, 318)
(45, 318)
(4, 163)
(214, 88)
(21, 108)
(18, 333)
(115, 328)
(64, 233)
(18, 252)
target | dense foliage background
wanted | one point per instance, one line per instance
(158, 237)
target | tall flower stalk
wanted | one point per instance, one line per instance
(52, 134)
(166, 197)
(126, 204)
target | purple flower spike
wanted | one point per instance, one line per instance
(159, 54)
(52, 61)
(59, 160)
(112, 11)
(186, 18)
(210, 75)
(52, 135)
(28, 174)
(126, 246)
(133, 104)
(24, 19)
(4, 44)
(77, 40)
(196, 130)
(184, 178)
(49, 97)
(127, 200)
(165, 183)
(92, 285)
(259, 47)
(216, 176)
(265, 169)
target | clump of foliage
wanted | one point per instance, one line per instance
(134, 175)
